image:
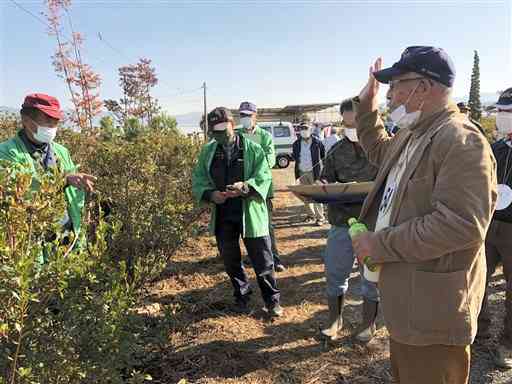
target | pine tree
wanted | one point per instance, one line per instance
(474, 92)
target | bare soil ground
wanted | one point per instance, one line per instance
(209, 343)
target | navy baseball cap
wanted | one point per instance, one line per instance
(219, 115)
(463, 106)
(247, 108)
(505, 100)
(430, 62)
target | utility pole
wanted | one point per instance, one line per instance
(205, 125)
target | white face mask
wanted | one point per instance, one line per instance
(401, 118)
(45, 134)
(305, 134)
(351, 134)
(504, 123)
(246, 122)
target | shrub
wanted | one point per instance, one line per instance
(72, 320)
(64, 321)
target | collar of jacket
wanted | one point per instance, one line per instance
(427, 119)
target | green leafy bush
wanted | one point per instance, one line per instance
(73, 319)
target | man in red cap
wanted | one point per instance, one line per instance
(34, 144)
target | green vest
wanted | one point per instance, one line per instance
(256, 174)
(14, 151)
(265, 140)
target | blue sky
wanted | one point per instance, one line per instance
(271, 52)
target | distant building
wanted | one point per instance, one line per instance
(325, 114)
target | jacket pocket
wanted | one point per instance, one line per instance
(439, 302)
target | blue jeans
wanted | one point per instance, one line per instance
(339, 259)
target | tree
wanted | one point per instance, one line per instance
(108, 128)
(83, 83)
(474, 92)
(136, 81)
(164, 123)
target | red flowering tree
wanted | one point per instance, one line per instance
(83, 83)
(136, 81)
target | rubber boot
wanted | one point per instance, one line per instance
(335, 323)
(503, 358)
(365, 332)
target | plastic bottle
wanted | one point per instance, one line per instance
(371, 271)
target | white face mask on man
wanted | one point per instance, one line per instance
(45, 134)
(351, 134)
(246, 122)
(306, 134)
(504, 123)
(401, 117)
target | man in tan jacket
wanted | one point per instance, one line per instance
(428, 214)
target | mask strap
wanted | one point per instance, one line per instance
(410, 96)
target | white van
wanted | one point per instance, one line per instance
(284, 137)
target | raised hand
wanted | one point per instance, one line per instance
(368, 95)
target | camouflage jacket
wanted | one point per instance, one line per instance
(346, 162)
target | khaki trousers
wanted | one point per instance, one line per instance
(431, 364)
(315, 210)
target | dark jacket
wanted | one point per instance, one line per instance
(503, 154)
(345, 163)
(317, 155)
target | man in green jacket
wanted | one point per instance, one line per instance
(232, 174)
(33, 144)
(251, 130)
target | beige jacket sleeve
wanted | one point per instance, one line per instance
(462, 201)
(371, 133)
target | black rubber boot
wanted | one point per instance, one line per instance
(365, 332)
(335, 323)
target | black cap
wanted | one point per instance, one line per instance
(430, 62)
(346, 106)
(463, 106)
(219, 115)
(505, 100)
(247, 108)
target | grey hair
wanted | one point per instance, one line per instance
(445, 91)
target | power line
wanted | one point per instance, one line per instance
(38, 18)
(110, 45)
(121, 53)
(181, 93)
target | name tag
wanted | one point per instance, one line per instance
(504, 197)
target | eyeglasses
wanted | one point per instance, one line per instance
(393, 83)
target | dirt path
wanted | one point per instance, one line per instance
(211, 344)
